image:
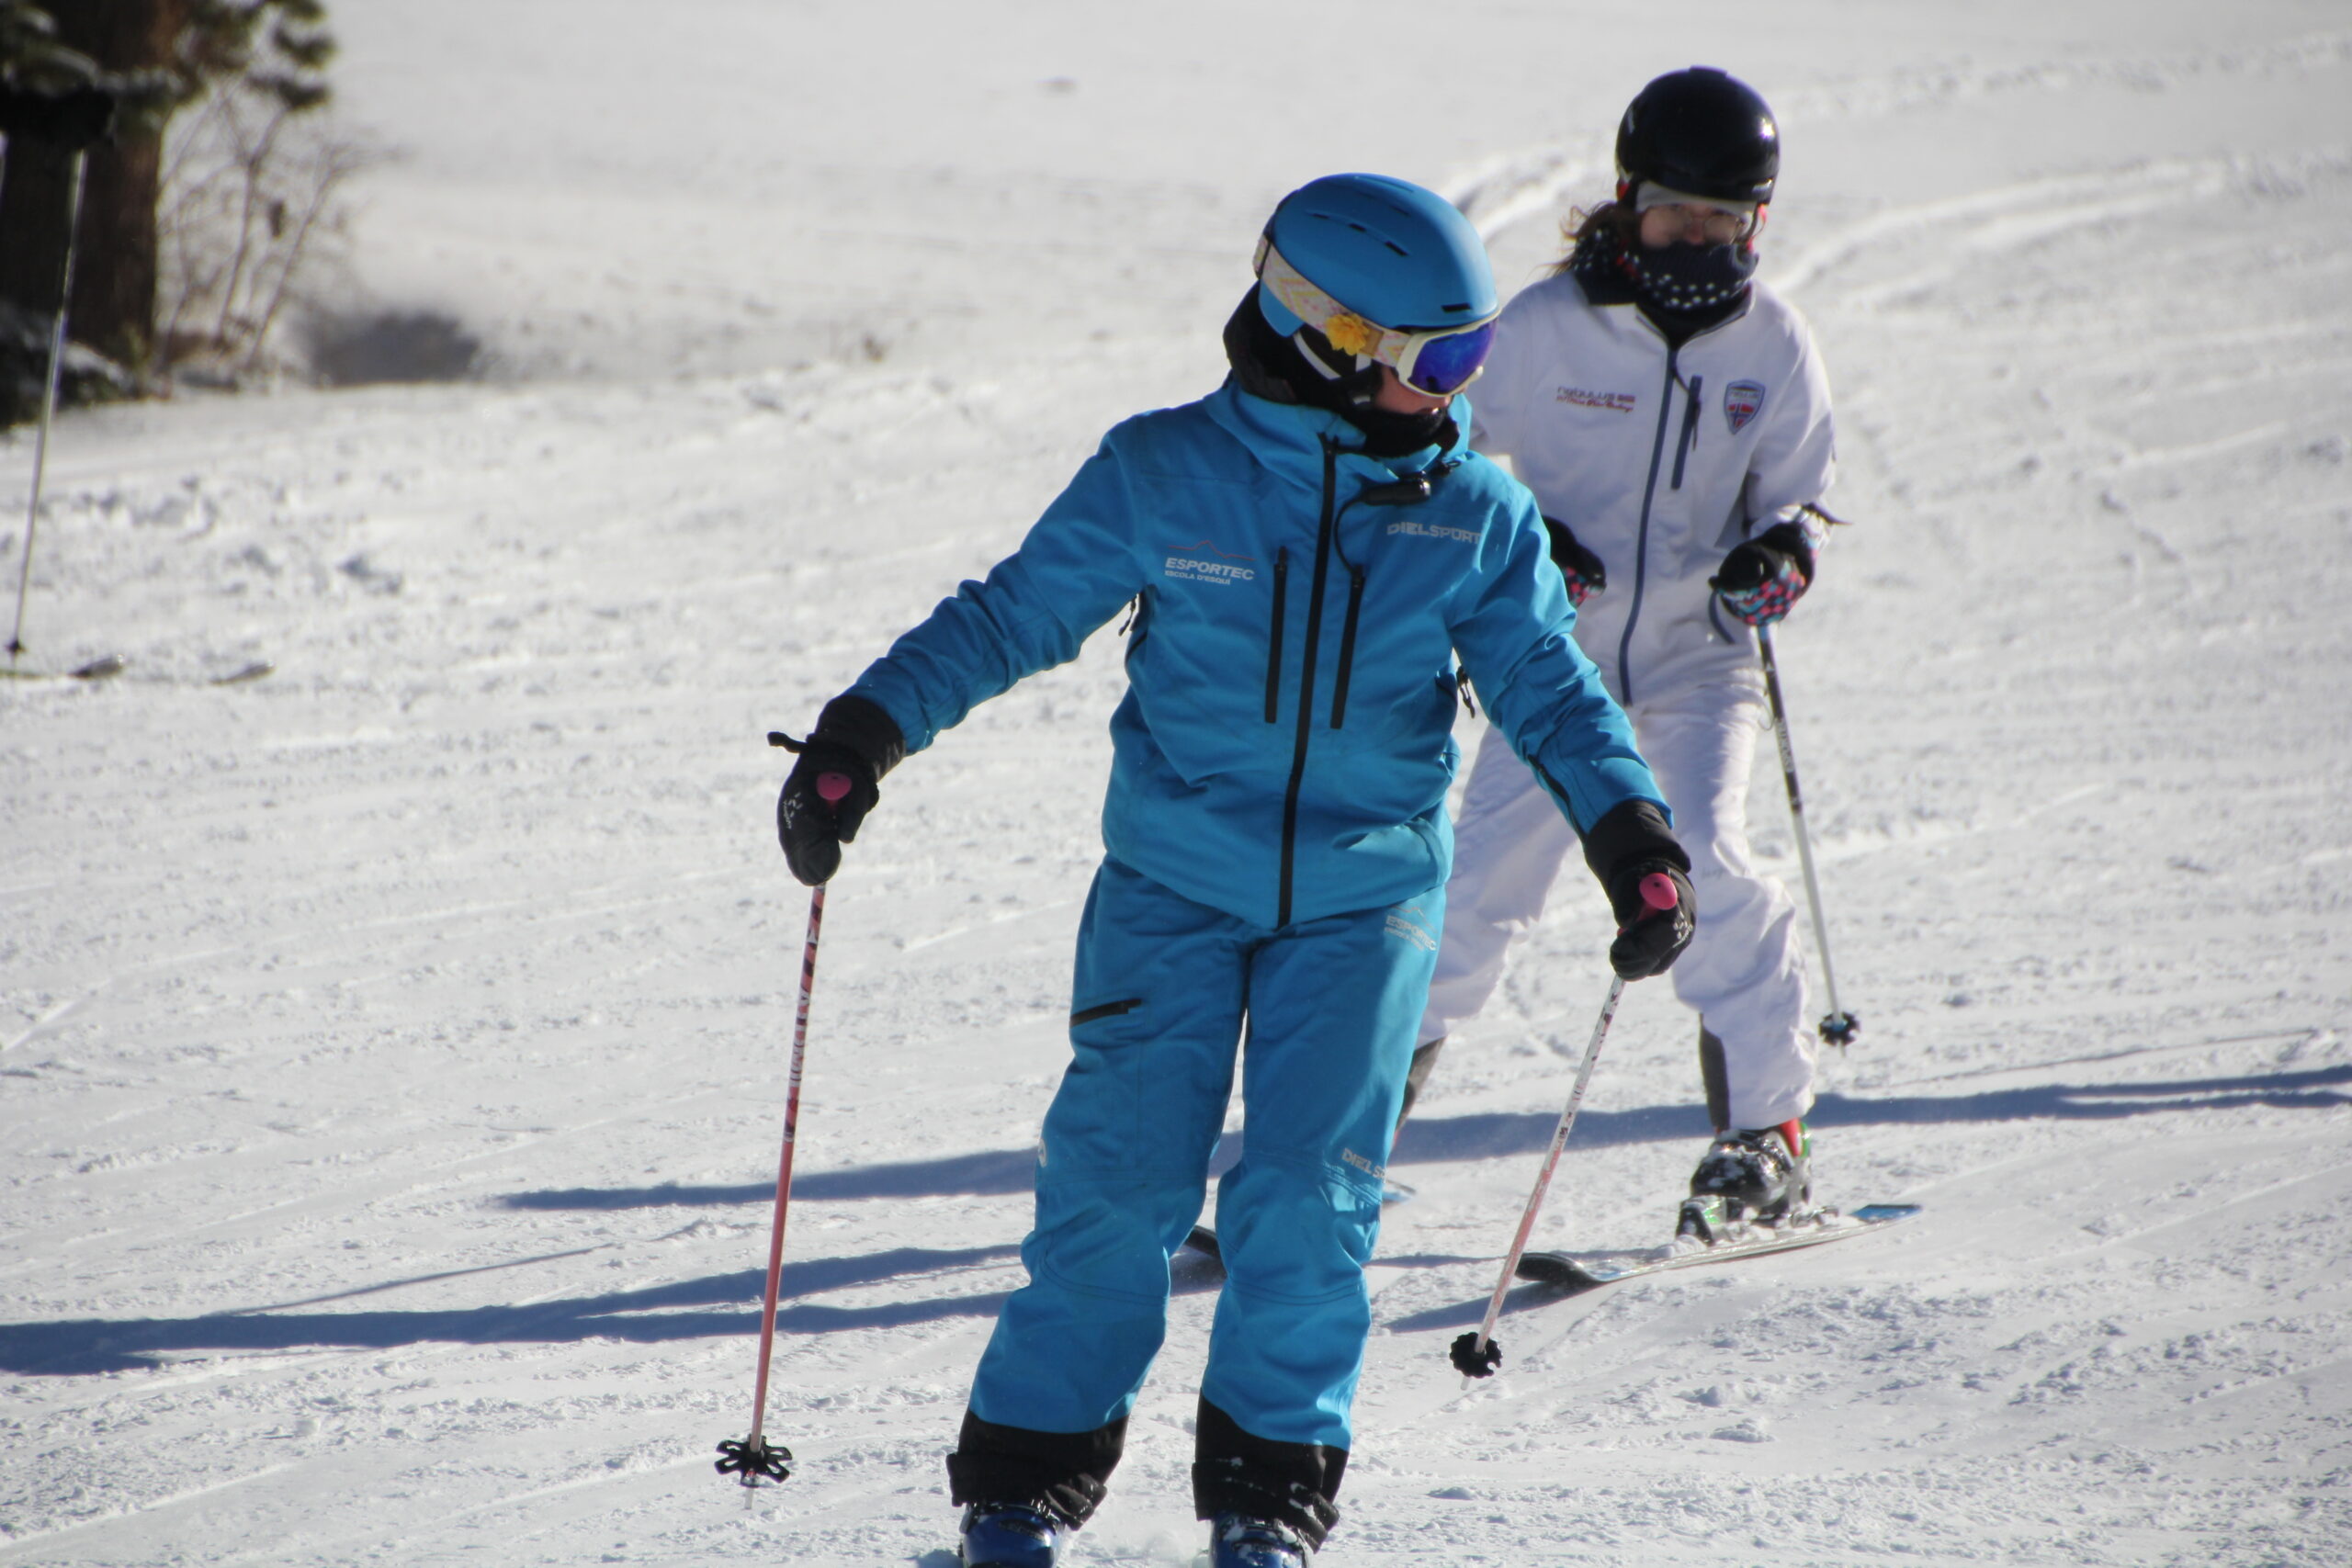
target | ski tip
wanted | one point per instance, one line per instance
(253, 672)
(1552, 1268)
(98, 669)
(1203, 1240)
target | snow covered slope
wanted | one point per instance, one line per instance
(392, 1049)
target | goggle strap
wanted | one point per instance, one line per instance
(1347, 332)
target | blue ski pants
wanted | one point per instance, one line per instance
(1163, 990)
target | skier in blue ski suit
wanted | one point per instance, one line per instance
(1310, 547)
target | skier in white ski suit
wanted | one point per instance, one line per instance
(1672, 417)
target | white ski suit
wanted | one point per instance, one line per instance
(1660, 460)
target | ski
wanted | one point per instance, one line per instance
(1572, 1271)
(113, 665)
(100, 669)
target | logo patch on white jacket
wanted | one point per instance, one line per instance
(1584, 398)
(1743, 401)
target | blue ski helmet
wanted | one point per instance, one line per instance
(1394, 253)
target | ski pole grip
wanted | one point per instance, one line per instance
(835, 788)
(1657, 888)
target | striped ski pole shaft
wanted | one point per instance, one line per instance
(754, 1456)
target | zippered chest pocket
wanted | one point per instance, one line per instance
(1274, 636)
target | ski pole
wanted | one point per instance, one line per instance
(1477, 1355)
(754, 1456)
(49, 398)
(1838, 1027)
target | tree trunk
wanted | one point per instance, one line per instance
(113, 307)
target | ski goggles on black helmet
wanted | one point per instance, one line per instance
(1438, 361)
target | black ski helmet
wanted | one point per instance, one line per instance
(1701, 131)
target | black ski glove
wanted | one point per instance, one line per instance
(1623, 847)
(1762, 578)
(1580, 566)
(835, 783)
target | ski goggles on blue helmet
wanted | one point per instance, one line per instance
(1439, 361)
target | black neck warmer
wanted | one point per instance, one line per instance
(1277, 368)
(1683, 288)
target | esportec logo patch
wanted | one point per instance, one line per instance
(1409, 922)
(1202, 561)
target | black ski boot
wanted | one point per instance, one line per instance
(1758, 1177)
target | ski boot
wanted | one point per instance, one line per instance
(1236, 1540)
(1759, 1177)
(1009, 1535)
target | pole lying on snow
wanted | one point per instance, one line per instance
(48, 397)
(754, 1456)
(1477, 1355)
(1838, 1027)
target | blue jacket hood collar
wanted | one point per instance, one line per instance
(1289, 437)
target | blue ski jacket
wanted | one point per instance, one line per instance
(1285, 743)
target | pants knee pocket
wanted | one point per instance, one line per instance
(1103, 1236)
(1303, 1237)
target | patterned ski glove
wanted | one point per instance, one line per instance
(1761, 579)
(1624, 848)
(833, 784)
(1583, 569)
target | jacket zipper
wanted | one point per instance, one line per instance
(1307, 678)
(1642, 536)
(1274, 649)
(1689, 441)
(1347, 647)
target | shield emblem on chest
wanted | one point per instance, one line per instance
(1743, 401)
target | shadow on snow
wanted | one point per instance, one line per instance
(655, 1315)
(1431, 1140)
(667, 1312)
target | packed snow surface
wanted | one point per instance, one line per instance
(393, 1047)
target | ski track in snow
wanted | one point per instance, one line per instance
(393, 1047)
